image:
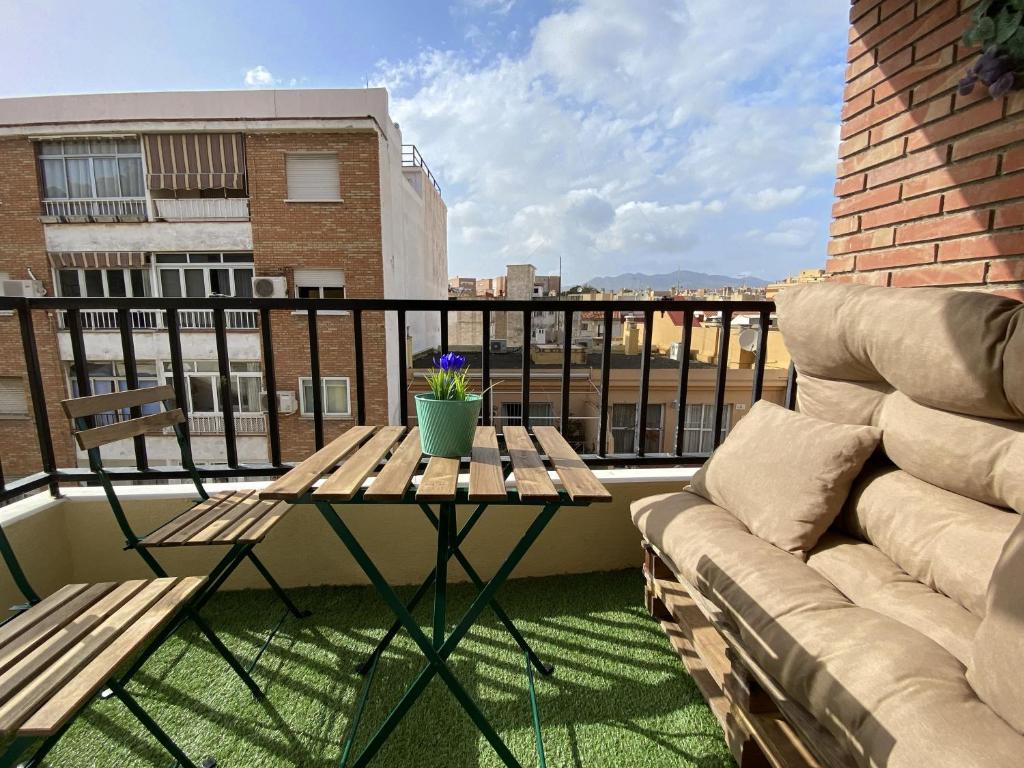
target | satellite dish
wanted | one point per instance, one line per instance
(748, 340)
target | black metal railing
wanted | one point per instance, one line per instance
(71, 310)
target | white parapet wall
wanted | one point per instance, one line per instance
(75, 539)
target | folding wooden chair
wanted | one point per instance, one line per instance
(57, 653)
(237, 520)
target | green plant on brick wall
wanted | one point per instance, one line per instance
(996, 25)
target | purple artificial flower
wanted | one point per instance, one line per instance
(1002, 86)
(967, 84)
(450, 361)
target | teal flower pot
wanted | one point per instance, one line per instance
(447, 426)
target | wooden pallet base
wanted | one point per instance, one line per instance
(758, 734)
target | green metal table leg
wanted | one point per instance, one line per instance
(535, 713)
(15, 750)
(364, 694)
(278, 589)
(441, 574)
(150, 725)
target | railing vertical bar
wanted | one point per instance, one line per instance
(723, 368)
(357, 338)
(177, 367)
(131, 377)
(485, 371)
(443, 315)
(74, 319)
(38, 393)
(606, 369)
(645, 383)
(2, 483)
(566, 372)
(684, 380)
(270, 379)
(791, 385)
(761, 361)
(527, 335)
(224, 369)
(314, 380)
(403, 373)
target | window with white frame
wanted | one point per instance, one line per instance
(104, 282)
(541, 414)
(319, 283)
(12, 397)
(110, 376)
(625, 418)
(313, 176)
(334, 396)
(202, 380)
(92, 168)
(699, 428)
(199, 275)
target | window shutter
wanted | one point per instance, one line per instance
(313, 176)
(320, 278)
(12, 397)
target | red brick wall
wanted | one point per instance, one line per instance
(22, 247)
(929, 183)
(345, 235)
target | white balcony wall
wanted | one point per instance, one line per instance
(202, 209)
(151, 236)
(163, 451)
(153, 345)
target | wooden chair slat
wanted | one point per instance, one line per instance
(158, 536)
(124, 643)
(300, 479)
(39, 611)
(19, 646)
(272, 514)
(115, 401)
(227, 519)
(122, 430)
(486, 479)
(439, 481)
(185, 534)
(31, 697)
(349, 477)
(58, 643)
(393, 481)
(580, 483)
(532, 479)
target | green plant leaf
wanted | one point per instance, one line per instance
(986, 29)
(981, 8)
(1007, 24)
(1015, 45)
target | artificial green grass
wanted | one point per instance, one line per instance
(619, 696)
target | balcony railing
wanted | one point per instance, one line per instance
(96, 208)
(213, 424)
(411, 158)
(203, 209)
(155, 320)
(220, 309)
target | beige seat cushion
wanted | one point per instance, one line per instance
(871, 580)
(997, 668)
(893, 696)
(785, 475)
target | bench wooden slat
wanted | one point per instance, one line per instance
(22, 704)
(158, 536)
(349, 477)
(228, 519)
(299, 480)
(74, 693)
(268, 518)
(185, 534)
(115, 401)
(439, 481)
(580, 483)
(532, 479)
(393, 481)
(122, 430)
(40, 611)
(486, 478)
(57, 643)
(17, 647)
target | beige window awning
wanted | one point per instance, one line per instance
(182, 161)
(98, 259)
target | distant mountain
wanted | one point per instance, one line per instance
(680, 278)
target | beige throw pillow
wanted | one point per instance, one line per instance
(785, 475)
(996, 673)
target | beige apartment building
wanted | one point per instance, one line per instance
(296, 193)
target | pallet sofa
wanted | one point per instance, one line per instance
(892, 634)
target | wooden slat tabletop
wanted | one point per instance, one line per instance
(391, 483)
(440, 481)
(580, 483)
(532, 479)
(486, 479)
(349, 477)
(293, 484)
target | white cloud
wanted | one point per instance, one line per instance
(260, 77)
(629, 136)
(494, 6)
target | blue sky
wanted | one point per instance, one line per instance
(621, 135)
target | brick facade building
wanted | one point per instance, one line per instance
(929, 183)
(197, 194)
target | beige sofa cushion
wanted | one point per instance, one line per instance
(997, 667)
(871, 580)
(893, 696)
(785, 475)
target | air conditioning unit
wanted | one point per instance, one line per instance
(286, 403)
(26, 288)
(269, 287)
(499, 345)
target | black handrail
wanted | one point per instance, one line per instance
(52, 475)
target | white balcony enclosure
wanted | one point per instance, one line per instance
(203, 209)
(213, 424)
(72, 210)
(156, 320)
